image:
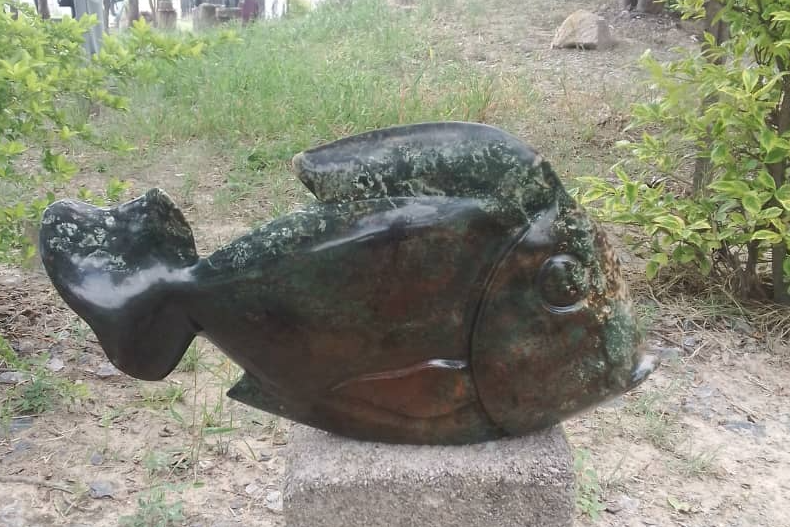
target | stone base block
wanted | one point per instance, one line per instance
(337, 482)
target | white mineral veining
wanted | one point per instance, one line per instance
(58, 244)
(100, 290)
(241, 253)
(66, 229)
(99, 260)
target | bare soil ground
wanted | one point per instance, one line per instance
(703, 443)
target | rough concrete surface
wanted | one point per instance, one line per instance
(337, 482)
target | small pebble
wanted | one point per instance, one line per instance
(55, 364)
(97, 459)
(101, 489)
(252, 489)
(20, 423)
(274, 501)
(690, 343)
(13, 377)
(106, 370)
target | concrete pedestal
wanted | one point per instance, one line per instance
(336, 482)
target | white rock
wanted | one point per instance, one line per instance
(274, 501)
(583, 29)
(55, 364)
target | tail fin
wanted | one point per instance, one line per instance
(118, 268)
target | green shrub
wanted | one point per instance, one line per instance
(47, 87)
(707, 180)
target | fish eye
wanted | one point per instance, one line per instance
(563, 281)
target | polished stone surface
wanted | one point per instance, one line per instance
(444, 288)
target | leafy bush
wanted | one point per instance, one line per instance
(707, 180)
(47, 85)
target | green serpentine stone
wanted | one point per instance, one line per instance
(444, 289)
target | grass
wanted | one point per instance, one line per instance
(154, 510)
(39, 391)
(656, 424)
(287, 85)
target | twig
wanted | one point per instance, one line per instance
(742, 408)
(35, 482)
(755, 380)
(667, 339)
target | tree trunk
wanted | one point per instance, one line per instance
(778, 254)
(781, 120)
(43, 9)
(106, 4)
(134, 11)
(702, 166)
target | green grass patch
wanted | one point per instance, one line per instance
(289, 84)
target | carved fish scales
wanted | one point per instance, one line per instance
(443, 289)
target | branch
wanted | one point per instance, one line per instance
(36, 482)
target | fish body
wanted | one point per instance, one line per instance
(444, 289)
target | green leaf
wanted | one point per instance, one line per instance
(718, 154)
(782, 195)
(731, 188)
(699, 225)
(670, 222)
(679, 506)
(684, 254)
(770, 213)
(661, 258)
(750, 78)
(765, 181)
(631, 191)
(770, 236)
(774, 147)
(12, 148)
(751, 202)
(775, 155)
(651, 269)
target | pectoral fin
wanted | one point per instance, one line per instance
(426, 390)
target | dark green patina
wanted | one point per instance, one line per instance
(444, 288)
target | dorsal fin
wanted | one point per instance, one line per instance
(448, 159)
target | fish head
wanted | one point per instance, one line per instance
(556, 331)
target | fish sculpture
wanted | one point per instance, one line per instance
(443, 289)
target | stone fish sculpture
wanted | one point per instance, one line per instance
(444, 289)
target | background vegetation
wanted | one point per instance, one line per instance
(707, 180)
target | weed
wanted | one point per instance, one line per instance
(158, 463)
(191, 361)
(154, 510)
(161, 397)
(588, 487)
(697, 464)
(656, 424)
(40, 391)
